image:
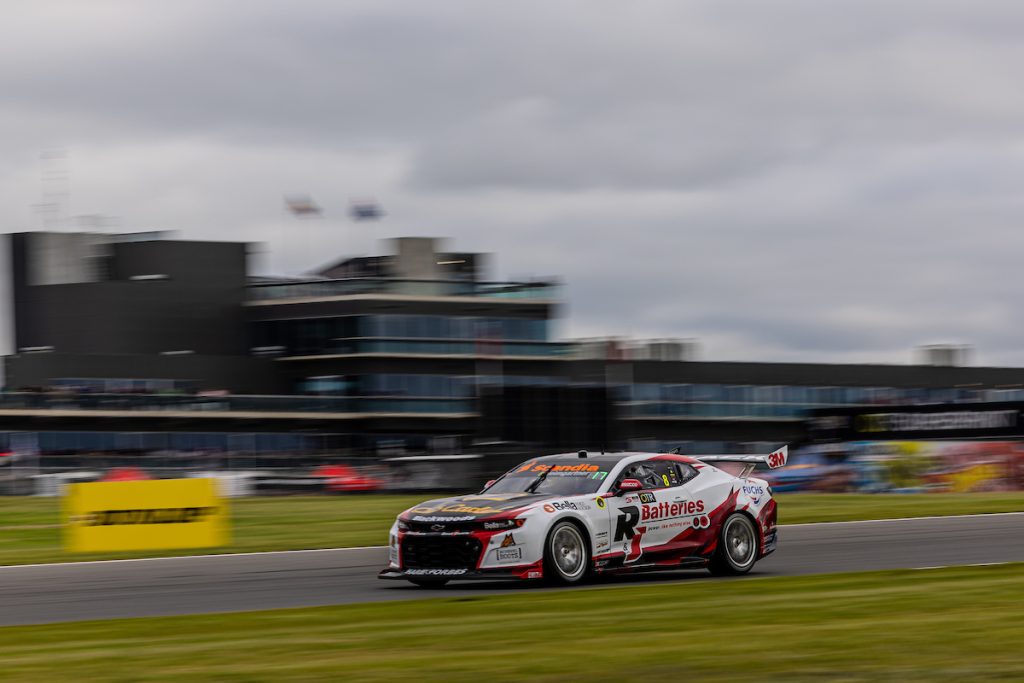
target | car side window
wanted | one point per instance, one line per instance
(686, 472)
(666, 474)
(646, 473)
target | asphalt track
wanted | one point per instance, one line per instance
(34, 594)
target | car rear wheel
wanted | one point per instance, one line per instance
(566, 554)
(429, 583)
(737, 547)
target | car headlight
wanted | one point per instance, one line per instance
(402, 526)
(499, 524)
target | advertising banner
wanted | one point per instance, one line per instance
(944, 421)
(904, 466)
(144, 515)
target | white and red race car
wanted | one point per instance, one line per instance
(562, 517)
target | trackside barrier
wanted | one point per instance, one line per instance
(144, 515)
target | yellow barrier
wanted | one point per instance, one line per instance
(144, 515)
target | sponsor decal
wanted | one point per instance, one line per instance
(393, 556)
(459, 507)
(548, 507)
(469, 509)
(754, 491)
(668, 510)
(701, 522)
(625, 525)
(441, 518)
(600, 502)
(509, 554)
(508, 541)
(435, 572)
(647, 498)
(532, 466)
(568, 505)
(144, 516)
(534, 575)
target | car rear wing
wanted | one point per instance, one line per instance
(774, 460)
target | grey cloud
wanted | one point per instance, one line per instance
(791, 180)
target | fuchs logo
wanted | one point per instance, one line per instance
(666, 510)
(754, 491)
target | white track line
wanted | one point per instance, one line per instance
(382, 547)
(193, 557)
(907, 519)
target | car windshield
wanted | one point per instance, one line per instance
(562, 480)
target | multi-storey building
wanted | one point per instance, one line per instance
(146, 344)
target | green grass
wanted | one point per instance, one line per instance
(29, 527)
(963, 624)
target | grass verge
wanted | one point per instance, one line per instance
(937, 625)
(30, 533)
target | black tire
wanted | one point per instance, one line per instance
(737, 549)
(429, 584)
(566, 554)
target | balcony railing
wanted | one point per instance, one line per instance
(705, 409)
(316, 289)
(481, 347)
(230, 404)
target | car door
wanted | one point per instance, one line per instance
(639, 519)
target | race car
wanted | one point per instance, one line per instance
(564, 517)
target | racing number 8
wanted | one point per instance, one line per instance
(664, 478)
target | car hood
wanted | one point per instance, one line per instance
(468, 508)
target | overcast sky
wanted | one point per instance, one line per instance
(783, 180)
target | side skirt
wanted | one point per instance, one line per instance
(685, 563)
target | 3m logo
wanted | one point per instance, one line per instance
(778, 458)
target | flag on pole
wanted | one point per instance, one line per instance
(302, 205)
(365, 210)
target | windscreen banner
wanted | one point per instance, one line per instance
(144, 515)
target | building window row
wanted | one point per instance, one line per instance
(317, 335)
(810, 397)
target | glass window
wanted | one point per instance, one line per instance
(647, 473)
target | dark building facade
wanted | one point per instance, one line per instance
(147, 343)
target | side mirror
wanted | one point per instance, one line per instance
(629, 485)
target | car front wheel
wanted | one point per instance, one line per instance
(737, 547)
(566, 554)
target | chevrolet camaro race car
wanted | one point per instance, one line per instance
(562, 517)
